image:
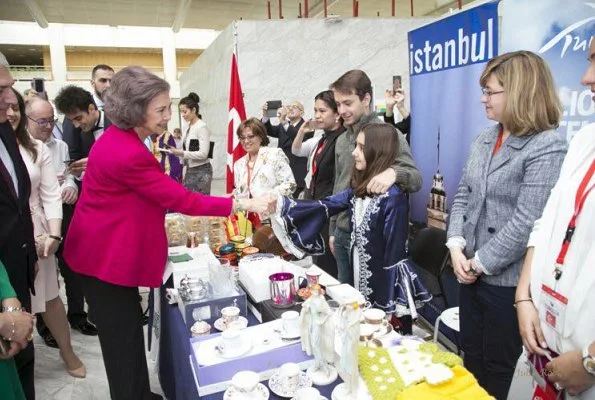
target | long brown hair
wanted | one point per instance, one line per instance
(23, 137)
(380, 150)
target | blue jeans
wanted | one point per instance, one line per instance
(343, 256)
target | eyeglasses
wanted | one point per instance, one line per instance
(246, 138)
(488, 93)
(42, 122)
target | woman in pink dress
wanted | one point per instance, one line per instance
(46, 212)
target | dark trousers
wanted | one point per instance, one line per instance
(74, 293)
(490, 335)
(118, 316)
(25, 363)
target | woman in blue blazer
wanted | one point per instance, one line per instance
(511, 169)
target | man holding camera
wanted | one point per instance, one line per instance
(290, 121)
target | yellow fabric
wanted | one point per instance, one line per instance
(462, 387)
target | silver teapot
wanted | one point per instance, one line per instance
(192, 289)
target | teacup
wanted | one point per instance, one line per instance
(245, 382)
(230, 314)
(232, 340)
(290, 376)
(308, 393)
(312, 277)
(366, 332)
(291, 323)
(374, 316)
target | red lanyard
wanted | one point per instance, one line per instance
(319, 148)
(579, 202)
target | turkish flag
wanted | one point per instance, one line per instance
(237, 113)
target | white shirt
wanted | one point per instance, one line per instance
(98, 102)
(577, 282)
(59, 152)
(8, 164)
(97, 134)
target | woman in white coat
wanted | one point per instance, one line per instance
(555, 297)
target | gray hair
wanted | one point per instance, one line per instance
(129, 95)
(4, 62)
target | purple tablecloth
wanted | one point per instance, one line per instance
(175, 374)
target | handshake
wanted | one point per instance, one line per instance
(264, 205)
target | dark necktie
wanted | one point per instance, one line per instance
(8, 179)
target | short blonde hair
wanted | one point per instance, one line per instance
(532, 104)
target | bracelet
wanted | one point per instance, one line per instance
(520, 301)
(12, 330)
(12, 309)
(57, 238)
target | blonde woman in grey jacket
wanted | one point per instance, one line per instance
(510, 171)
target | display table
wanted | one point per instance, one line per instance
(175, 373)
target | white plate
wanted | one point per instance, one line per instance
(262, 393)
(221, 326)
(320, 398)
(276, 385)
(235, 353)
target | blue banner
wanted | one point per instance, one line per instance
(561, 34)
(446, 59)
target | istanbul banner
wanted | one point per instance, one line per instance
(446, 59)
(561, 35)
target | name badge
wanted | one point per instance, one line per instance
(553, 308)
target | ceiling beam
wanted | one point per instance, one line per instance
(181, 14)
(37, 13)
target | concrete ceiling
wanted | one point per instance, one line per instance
(204, 14)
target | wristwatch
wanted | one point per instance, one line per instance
(588, 361)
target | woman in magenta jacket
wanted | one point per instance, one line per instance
(116, 240)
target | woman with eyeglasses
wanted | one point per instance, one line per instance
(512, 167)
(263, 170)
(45, 202)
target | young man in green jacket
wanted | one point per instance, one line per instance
(353, 94)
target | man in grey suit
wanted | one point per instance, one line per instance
(510, 172)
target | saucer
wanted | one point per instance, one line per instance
(276, 385)
(383, 332)
(235, 353)
(221, 326)
(262, 393)
(287, 336)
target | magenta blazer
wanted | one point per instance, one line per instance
(117, 233)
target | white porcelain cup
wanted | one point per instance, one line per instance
(374, 316)
(232, 340)
(308, 393)
(290, 376)
(239, 324)
(245, 382)
(366, 331)
(291, 323)
(230, 314)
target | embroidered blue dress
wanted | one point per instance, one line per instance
(378, 238)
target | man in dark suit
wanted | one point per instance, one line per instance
(83, 124)
(17, 245)
(290, 121)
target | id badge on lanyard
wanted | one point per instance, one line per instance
(552, 308)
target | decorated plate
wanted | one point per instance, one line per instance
(221, 326)
(261, 392)
(276, 385)
(305, 293)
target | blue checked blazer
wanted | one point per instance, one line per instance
(499, 198)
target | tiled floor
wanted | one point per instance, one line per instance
(52, 382)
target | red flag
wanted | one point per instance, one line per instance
(237, 113)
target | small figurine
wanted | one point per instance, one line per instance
(348, 326)
(317, 330)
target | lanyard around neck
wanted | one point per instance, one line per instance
(579, 202)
